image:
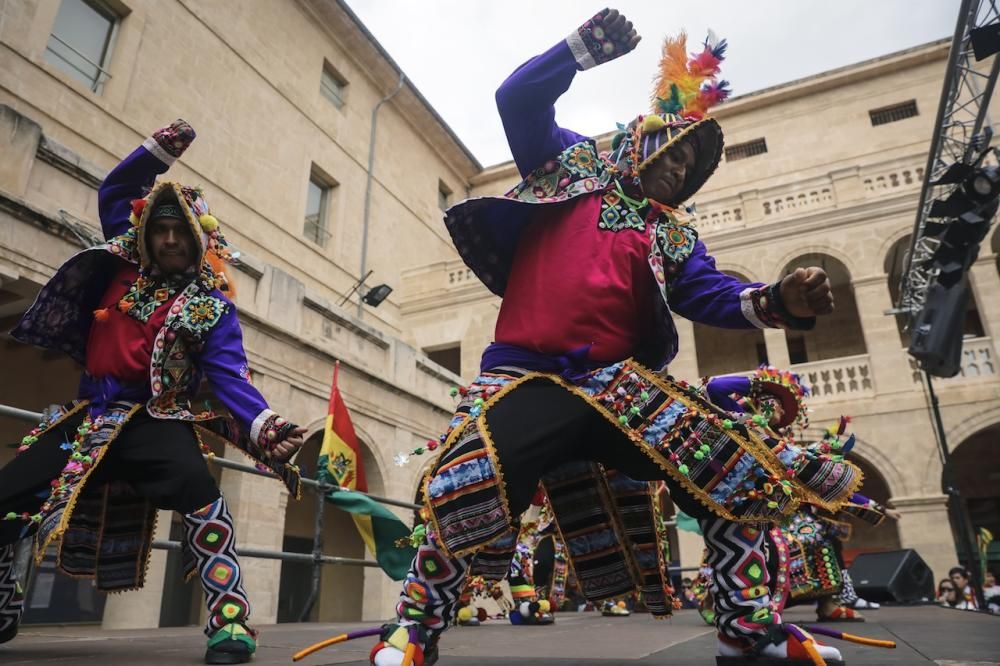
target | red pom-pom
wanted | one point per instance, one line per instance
(101, 315)
(482, 615)
(432, 444)
(138, 205)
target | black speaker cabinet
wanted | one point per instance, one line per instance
(897, 575)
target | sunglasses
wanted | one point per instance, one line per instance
(947, 589)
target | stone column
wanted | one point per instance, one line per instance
(19, 137)
(924, 526)
(750, 201)
(887, 360)
(777, 347)
(685, 366)
(985, 280)
(141, 609)
(691, 547)
(846, 185)
(257, 505)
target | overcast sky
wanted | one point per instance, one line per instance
(458, 51)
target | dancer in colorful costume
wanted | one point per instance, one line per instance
(147, 315)
(805, 554)
(590, 258)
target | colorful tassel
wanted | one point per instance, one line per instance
(686, 85)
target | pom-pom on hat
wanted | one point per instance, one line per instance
(787, 387)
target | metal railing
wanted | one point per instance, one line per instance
(316, 557)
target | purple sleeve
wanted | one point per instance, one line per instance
(720, 389)
(703, 293)
(130, 180)
(224, 362)
(526, 105)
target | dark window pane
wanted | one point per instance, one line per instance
(79, 40)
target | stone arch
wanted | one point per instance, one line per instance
(893, 264)
(342, 590)
(841, 333)
(791, 258)
(736, 269)
(865, 537)
(722, 351)
(975, 463)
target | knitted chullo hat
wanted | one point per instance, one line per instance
(685, 89)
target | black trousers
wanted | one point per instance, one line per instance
(541, 425)
(159, 458)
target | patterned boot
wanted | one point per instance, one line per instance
(211, 543)
(428, 603)
(749, 629)
(11, 595)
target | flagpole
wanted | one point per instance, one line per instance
(336, 371)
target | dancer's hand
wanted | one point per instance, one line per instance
(806, 292)
(892, 513)
(620, 31)
(286, 448)
(606, 36)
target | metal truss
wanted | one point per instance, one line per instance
(962, 118)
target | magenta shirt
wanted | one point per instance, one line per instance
(573, 284)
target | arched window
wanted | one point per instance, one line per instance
(837, 335)
(722, 351)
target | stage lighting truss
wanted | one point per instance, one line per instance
(962, 129)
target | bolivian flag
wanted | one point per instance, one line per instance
(340, 464)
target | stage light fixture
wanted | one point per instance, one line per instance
(376, 295)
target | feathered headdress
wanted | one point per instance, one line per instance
(687, 86)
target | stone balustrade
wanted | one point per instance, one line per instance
(844, 378)
(978, 363)
(830, 191)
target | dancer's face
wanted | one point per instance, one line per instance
(171, 245)
(664, 179)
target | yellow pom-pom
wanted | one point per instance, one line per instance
(621, 604)
(544, 606)
(652, 123)
(464, 614)
(208, 222)
(133, 220)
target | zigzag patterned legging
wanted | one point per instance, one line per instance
(11, 599)
(211, 540)
(739, 577)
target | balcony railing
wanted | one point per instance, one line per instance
(808, 196)
(978, 363)
(843, 378)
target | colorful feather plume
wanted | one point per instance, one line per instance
(686, 86)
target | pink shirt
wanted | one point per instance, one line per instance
(572, 284)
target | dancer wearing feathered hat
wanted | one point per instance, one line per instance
(590, 257)
(148, 314)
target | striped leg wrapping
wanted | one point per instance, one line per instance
(11, 598)
(211, 539)
(739, 578)
(847, 593)
(433, 587)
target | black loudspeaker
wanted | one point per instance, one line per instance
(937, 332)
(896, 575)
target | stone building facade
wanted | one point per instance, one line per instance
(283, 94)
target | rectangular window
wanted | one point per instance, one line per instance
(317, 205)
(444, 195)
(741, 151)
(890, 114)
(762, 354)
(447, 357)
(80, 43)
(333, 85)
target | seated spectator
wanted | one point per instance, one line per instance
(965, 598)
(946, 593)
(991, 592)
